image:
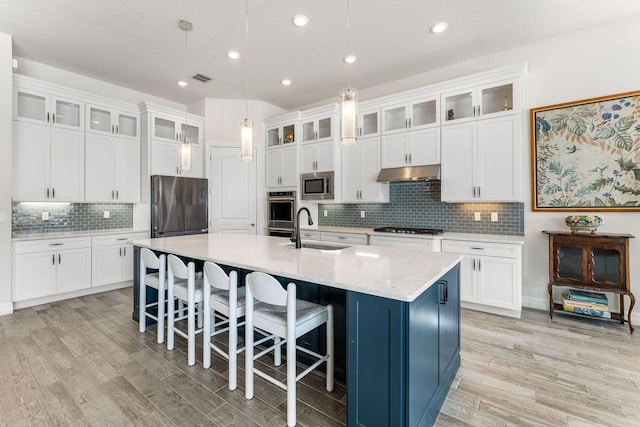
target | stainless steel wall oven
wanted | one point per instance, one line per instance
(281, 209)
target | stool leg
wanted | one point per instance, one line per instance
(161, 302)
(277, 352)
(291, 375)
(233, 351)
(171, 307)
(330, 348)
(248, 346)
(206, 334)
(191, 332)
(142, 305)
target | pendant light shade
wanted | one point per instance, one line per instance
(185, 163)
(348, 115)
(246, 150)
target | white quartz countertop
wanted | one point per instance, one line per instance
(494, 238)
(396, 273)
(18, 237)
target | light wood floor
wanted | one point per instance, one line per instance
(83, 362)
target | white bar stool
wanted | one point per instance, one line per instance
(155, 280)
(222, 296)
(189, 292)
(288, 318)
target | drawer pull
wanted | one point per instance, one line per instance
(56, 244)
(122, 238)
(342, 238)
(477, 249)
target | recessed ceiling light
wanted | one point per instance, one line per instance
(300, 20)
(232, 54)
(285, 82)
(350, 59)
(438, 27)
(182, 83)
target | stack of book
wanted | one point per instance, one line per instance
(588, 303)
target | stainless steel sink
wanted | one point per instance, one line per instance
(319, 245)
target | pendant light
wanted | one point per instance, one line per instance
(185, 158)
(246, 144)
(348, 100)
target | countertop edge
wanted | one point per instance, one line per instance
(71, 234)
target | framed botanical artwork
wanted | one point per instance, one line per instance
(585, 155)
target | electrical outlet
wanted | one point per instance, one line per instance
(361, 214)
(494, 216)
(106, 214)
(476, 216)
(45, 216)
(3, 218)
(325, 213)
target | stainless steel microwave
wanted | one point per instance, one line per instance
(317, 186)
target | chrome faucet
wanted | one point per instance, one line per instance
(297, 226)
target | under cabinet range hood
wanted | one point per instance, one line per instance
(410, 173)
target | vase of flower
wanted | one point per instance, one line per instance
(579, 223)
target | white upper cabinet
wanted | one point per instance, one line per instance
(482, 161)
(317, 157)
(318, 128)
(282, 130)
(415, 148)
(176, 129)
(488, 100)
(369, 123)
(40, 107)
(360, 168)
(414, 114)
(109, 121)
(281, 167)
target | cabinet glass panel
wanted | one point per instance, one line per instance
(67, 113)
(32, 106)
(606, 266)
(289, 134)
(100, 120)
(191, 132)
(459, 106)
(424, 113)
(324, 128)
(307, 131)
(570, 263)
(499, 98)
(273, 137)
(127, 125)
(369, 123)
(164, 128)
(394, 118)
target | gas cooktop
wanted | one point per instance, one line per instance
(409, 230)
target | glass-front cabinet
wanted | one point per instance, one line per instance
(317, 129)
(481, 101)
(369, 123)
(176, 129)
(412, 115)
(282, 130)
(108, 121)
(44, 108)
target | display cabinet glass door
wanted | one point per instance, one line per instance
(191, 133)
(607, 266)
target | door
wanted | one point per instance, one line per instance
(394, 153)
(233, 191)
(107, 265)
(350, 176)
(67, 165)
(99, 176)
(35, 275)
(424, 147)
(467, 278)
(74, 269)
(496, 279)
(31, 161)
(369, 169)
(126, 170)
(458, 164)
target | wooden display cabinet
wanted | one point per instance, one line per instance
(598, 262)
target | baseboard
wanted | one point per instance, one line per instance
(6, 308)
(489, 309)
(73, 294)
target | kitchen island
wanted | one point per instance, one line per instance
(402, 315)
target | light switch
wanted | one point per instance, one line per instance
(361, 214)
(476, 216)
(494, 216)
(106, 214)
(325, 212)
(45, 216)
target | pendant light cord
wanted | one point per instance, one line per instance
(348, 43)
(246, 43)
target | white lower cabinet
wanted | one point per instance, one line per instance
(112, 258)
(48, 267)
(406, 242)
(490, 275)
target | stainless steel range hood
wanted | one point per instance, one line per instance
(410, 173)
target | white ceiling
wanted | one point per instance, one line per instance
(138, 44)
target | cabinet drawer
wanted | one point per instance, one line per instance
(117, 239)
(33, 246)
(310, 235)
(354, 238)
(406, 242)
(504, 250)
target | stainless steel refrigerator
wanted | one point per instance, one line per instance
(178, 206)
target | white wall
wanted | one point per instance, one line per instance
(6, 91)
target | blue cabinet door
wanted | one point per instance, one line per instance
(449, 325)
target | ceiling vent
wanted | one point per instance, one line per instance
(201, 77)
